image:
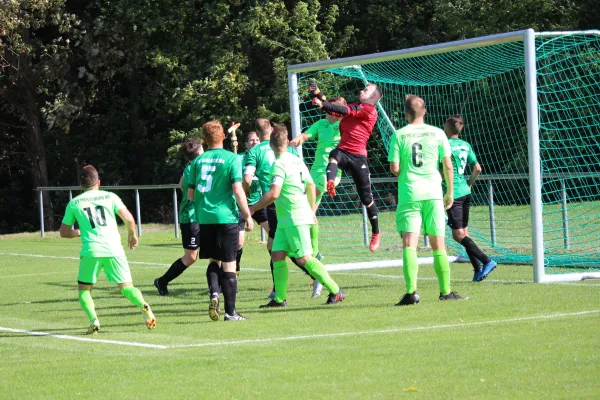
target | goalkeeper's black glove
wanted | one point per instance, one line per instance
(315, 92)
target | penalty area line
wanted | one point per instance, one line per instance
(83, 339)
(297, 337)
(395, 330)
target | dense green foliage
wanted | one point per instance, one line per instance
(118, 84)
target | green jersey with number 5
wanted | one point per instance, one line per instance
(462, 155)
(292, 206)
(94, 211)
(212, 175)
(419, 150)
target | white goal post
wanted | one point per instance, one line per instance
(528, 39)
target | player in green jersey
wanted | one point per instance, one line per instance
(458, 214)
(253, 194)
(293, 191)
(94, 211)
(215, 186)
(190, 230)
(259, 162)
(327, 134)
(416, 152)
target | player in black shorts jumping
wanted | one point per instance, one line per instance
(190, 230)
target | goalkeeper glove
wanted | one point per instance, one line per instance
(315, 92)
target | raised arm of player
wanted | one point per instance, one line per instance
(449, 178)
(298, 140)
(132, 239)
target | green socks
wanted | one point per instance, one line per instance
(314, 238)
(87, 304)
(134, 295)
(280, 278)
(442, 270)
(410, 268)
(319, 272)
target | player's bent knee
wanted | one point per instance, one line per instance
(125, 284)
(303, 260)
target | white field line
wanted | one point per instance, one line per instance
(395, 330)
(293, 270)
(302, 337)
(83, 339)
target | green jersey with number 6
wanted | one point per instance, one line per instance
(462, 155)
(258, 162)
(94, 211)
(292, 206)
(212, 176)
(419, 150)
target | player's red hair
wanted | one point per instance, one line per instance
(213, 133)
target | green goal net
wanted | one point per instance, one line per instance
(486, 85)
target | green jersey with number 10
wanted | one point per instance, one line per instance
(419, 150)
(94, 211)
(212, 175)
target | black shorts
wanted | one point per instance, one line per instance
(259, 216)
(272, 219)
(458, 214)
(358, 167)
(219, 241)
(190, 235)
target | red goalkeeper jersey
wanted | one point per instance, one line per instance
(356, 128)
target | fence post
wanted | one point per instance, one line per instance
(137, 212)
(426, 241)
(565, 215)
(176, 216)
(41, 201)
(262, 234)
(492, 214)
(365, 233)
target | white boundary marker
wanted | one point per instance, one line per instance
(302, 337)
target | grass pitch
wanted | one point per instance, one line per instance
(511, 339)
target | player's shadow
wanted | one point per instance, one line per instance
(178, 245)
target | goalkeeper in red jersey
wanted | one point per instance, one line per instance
(356, 127)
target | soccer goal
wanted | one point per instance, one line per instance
(531, 104)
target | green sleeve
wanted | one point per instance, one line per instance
(69, 218)
(292, 150)
(471, 157)
(117, 203)
(394, 154)
(277, 171)
(313, 131)
(191, 176)
(250, 159)
(235, 170)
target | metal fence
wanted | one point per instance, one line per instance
(489, 179)
(138, 214)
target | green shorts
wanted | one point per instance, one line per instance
(294, 240)
(116, 269)
(319, 177)
(426, 214)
